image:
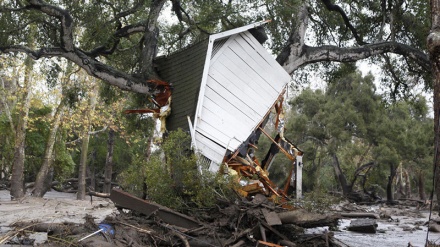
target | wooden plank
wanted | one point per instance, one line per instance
(209, 148)
(262, 52)
(237, 99)
(242, 67)
(279, 70)
(243, 71)
(222, 126)
(242, 90)
(225, 140)
(225, 123)
(223, 105)
(125, 200)
(258, 64)
(238, 128)
(227, 116)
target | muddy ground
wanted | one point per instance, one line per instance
(400, 225)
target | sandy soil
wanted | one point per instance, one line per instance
(55, 207)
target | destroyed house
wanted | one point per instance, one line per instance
(223, 89)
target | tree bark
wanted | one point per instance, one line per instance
(433, 43)
(81, 195)
(149, 49)
(42, 176)
(82, 171)
(390, 192)
(346, 190)
(109, 162)
(91, 171)
(421, 185)
(17, 176)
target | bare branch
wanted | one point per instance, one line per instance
(34, 54)
(351, 54)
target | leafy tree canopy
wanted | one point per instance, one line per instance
(117, 41)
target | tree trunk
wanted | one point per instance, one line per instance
(421, 185)
(91, 171)
(81, 195)
(390, 192)
(144, 175)
(149, 49)
(42, 175)
(433, 43)
(17, 176)
(346, 190)
(109, 162)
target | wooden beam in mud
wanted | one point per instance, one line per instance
(167, 215)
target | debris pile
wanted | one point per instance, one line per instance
(258, 222)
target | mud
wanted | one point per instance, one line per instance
(401, 225)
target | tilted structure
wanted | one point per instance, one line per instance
(224, 89)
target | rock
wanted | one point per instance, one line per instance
(433, 227)
(363, 225)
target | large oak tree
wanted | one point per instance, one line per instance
(116, 40)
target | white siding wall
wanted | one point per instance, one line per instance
(243, 83)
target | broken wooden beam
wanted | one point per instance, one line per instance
(125, 200)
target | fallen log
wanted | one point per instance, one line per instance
(97, 194)
(361, 215)
(52, 228)
(306, 219)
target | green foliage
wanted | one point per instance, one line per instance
(351, 121)
(192, 181)
(64, 165)
(175, 178)
(36, 138)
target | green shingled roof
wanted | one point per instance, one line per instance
(184, 69)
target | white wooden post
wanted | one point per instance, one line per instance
(298, 176)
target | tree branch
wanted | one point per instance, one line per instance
(92, 66)
(5, 104)
(63, 16)
(351, 54)
(116, 38)
(333, 7)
